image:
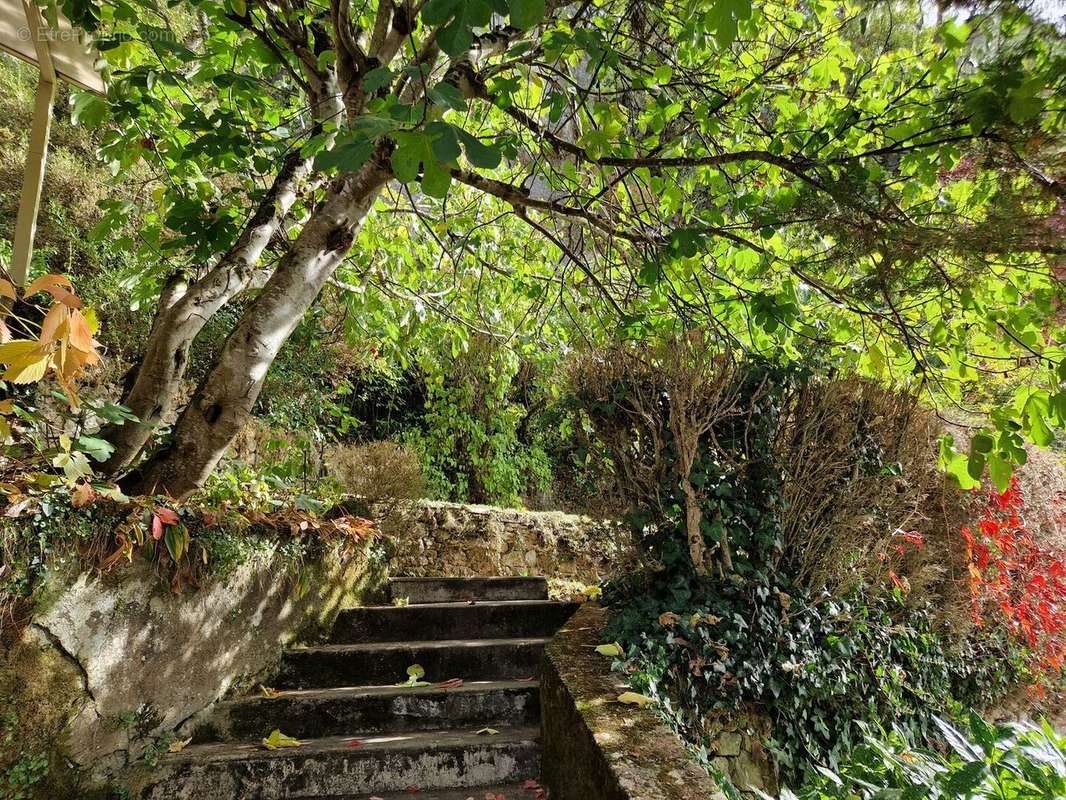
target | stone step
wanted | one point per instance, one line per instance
(512, 791)
(333, 768)
(416, 591)
(365, 710)
(494, 619)
(386, 663)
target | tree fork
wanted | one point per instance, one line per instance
(153, 394)
(224, 400)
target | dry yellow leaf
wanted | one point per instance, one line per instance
(634, 699)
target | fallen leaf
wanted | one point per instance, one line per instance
(669, 619)
(16, 509)
(612, 650)
(634, 699)
(530, 784)
(355, 743)
(267, 692)
(82, 495)
(487, 732)
(414, 675)
(452, 683)
(277, 739)
(178, 745)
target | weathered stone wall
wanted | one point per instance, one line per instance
(442, 539)
(596, 748)
(124, 641)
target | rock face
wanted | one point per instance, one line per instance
(446, 539)
(360, 734)
(146, 661)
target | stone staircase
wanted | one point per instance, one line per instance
(362, 736)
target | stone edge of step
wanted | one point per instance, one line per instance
(519, 604)
(383, 744)
(399, 690)
(427, 644)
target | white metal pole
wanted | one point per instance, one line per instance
(33, 180)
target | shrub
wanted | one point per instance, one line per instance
(1017, 582)
(860, 481)
(1006, 762)
(384, 476)
(819, 666)
(686, 433)
(469, 440)
(821, 579)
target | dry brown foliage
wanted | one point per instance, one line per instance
(859, 469)
(676, 391)
(385, 476)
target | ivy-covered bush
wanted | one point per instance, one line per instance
(825, 595)
(821, 667)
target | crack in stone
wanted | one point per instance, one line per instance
(57, 643)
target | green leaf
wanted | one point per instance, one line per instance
(176, 539)
(526, 13)
(436, 180)
(999, 470)
(1024, 104)
(954, 33)
(959, 743)
(477, 153)
(97, 449)
(372, 126)
(437, 12)
(88, 109)
(457, 36)
(1039, 431)
(410, 151)
(962, 782)
(447, 95)
(955, 463)
(377, 78)
(443, 141)
(346, 156)
(723, 16)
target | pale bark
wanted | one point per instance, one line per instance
(224, 401)
(183, 312)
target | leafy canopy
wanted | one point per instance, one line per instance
(791, 174)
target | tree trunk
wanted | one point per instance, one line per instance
(224, 401)
(697, 549)
(183, 312)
